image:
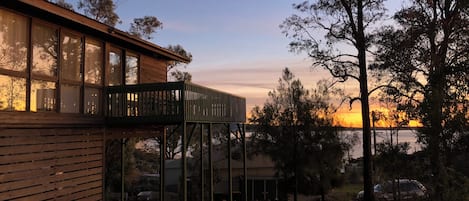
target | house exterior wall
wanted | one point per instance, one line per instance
(51, 163)
(152, 70)
(52, 124)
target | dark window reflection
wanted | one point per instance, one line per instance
(13, 41)
(44, 42)
(115, 68)
(131, 69)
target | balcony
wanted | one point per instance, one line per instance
(172, 103)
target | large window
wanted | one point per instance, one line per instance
(42, 96)
(93, 77)
(71, 76)
(71, 58)
(13, 61)
(70, 98)
(13, 41)
(12, 93)
(115, 67)
(131, 69)
(93, 62)
(44, 39)
(44, 68)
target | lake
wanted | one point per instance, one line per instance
(404, 135)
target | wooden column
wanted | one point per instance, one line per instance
(210, 161)
(230, 174)
(162, 163)
(184, 162)
(202, 175)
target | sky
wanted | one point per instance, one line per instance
(237, 46)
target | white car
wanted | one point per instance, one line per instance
(406, 189)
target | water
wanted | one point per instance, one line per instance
(407, 135)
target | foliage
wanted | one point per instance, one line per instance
(145, 27)
(295, 128)
(100, 10)
(427, 60)
(344, 23)
(113, 164)
(173, 70)
(63, 4)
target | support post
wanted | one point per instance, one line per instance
(184, 162)
(230, 174)
(162, 163)
(202, 175)
(122, 169)
(210, 161)
(245, 169)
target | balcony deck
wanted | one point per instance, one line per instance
(172, 103)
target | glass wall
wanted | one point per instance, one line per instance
(44, 68)
(93, 76)
(140, 160)
(13, 61)
(71, 74)
(131, 68)
(42, 96)
(44, 43)
(36, 77)
(115, 67)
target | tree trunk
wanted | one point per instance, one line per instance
(438, 171)
(367, 165)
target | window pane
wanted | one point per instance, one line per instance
(71, 57)
(12, 93)
(70, 99)
(131, 69)
(115, 68)
(42, 96)
(93, 62)
(44, 42)
(92, 104)
(13, 41)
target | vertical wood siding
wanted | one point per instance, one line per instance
(152, 70)
(51, 164)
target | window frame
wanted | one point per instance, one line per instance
(129, 53)
(100, 86)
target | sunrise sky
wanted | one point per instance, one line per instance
(237, 46)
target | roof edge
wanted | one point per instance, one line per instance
(83, 20)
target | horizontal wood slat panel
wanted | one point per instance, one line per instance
(92, 194)
(42, 164)
(47, 120)
(6, 150)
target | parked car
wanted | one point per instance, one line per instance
(406, 189)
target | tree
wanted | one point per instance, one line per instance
(427, 60)
(64, 4)
(172, 70)
(295, 128)
(145, 27)
(345, 23)
(100, 10)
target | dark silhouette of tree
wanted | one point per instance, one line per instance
(145, 27)
(173, 70)
(344, 23)
(100, 10)
(427, 60)
(64, 4)
(295, 128)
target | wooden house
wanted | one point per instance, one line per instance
(69, 84)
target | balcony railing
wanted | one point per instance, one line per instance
(172, 102)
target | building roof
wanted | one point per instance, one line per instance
(54, 12)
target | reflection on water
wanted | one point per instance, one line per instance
(407, 135)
